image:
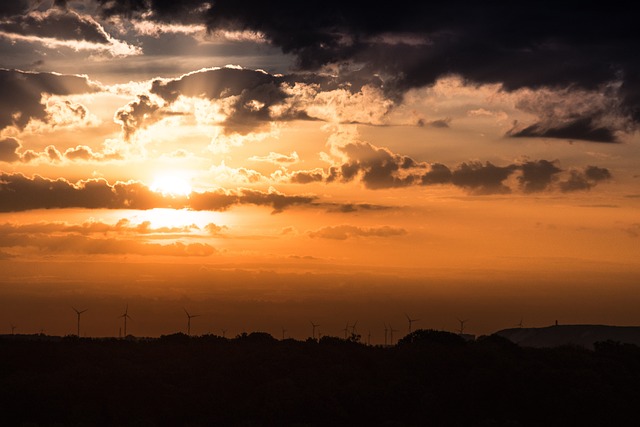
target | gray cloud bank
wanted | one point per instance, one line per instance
(379, 168)
(19, 193)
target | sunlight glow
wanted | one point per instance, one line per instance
(173, 185)
(176, 218)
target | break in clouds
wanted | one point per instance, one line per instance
(97, 238)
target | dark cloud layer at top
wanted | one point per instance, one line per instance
(13, 7)
(543, 44)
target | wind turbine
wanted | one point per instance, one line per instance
(224, 333)
(391, 331)
(13, 329)
(346, 330)
(520, 324)
(385, 334)
(126, 316)
(283, 332)
(353, 328)
(410, 321)
(189, 316)
(462, 322)
(313, 331)
(79, 312)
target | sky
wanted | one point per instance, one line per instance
(266, 165)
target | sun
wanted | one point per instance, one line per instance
(172, 185)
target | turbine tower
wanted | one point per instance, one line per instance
(313, 330)
(189, 316)
(410, 321)
(13, 329)
(126, 316)
(284, 331)
(346, 330)
(462, 322)
(386, 331)
(79, 312)
(520, 324)
(391, 331)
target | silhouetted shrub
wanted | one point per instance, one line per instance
(178, 337)
(431, 336)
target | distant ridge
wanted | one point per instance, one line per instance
(581, 335)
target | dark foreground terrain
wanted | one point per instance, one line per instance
(429, 378)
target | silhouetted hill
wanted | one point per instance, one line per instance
(582, 335)
(431, 378)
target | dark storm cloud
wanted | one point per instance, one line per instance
(585, 179)
(538, 175)
(482, 178)
(595, 173)
(306, 177)
(22, 93)
(56, 24)
(13, 7)
(438, 124)
(379, 168)
(20, 193)
(223, 200)
(137, 115)
(9, 150)
(437, 174)
(253, 92)
(164, 10)
(411, 44)
(583, 129)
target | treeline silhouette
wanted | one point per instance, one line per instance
(429, 378)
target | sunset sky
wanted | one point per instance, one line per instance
(270, 164)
